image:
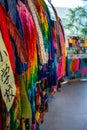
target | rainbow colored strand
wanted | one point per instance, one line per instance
(30, 41)
(58, 49)
(6, 37)
(62, 64)
(52, 45)
(44, 23)
(45, 6)
(42, 55)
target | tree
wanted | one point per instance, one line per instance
(75, 21)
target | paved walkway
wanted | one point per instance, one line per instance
(68, 109)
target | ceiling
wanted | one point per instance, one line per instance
(69, 3)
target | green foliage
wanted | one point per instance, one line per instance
(75, 21)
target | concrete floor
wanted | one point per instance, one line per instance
(68, 108)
